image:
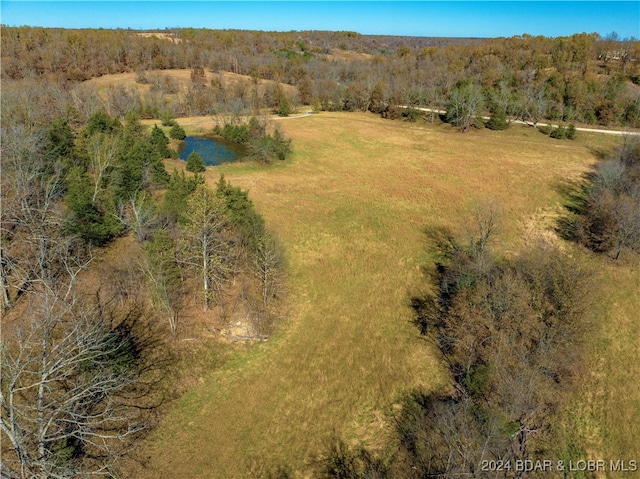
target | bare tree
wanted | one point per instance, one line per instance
(482, 227)
(32, 220)
(160, 267)
(70, 378)
(102, 151)
(535, 102)
(205, 247)
(267, 266)
(512, 334)
(465, 103)
(143, 217)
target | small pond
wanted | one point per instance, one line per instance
(212, 152)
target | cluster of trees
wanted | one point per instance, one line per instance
(262, 146)
(100, 182)
(468, 104)
(80, 372)
(85, 346)
(511, 333)
(608, 205)
(583, 77)
(216, 236)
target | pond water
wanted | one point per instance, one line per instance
(211, 151)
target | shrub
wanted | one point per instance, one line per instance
(263, 147)
(498, 120)
(545, 130)
(195, 163)
(284, 107)
(609, 217)
(267, 148)
(237, 133)
(412, 115)
(559, 133)
(177, 132)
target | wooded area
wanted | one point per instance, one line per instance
(583, 78)
(87, 349)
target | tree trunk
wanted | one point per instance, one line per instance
(6, 301)
(205, 272)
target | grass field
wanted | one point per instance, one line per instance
(181, 77)
(350, 208)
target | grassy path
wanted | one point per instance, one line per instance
(349, 208)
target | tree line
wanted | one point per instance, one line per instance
(582, 78)
(604, 210)
(87, 345)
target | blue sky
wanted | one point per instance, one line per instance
(416, 18)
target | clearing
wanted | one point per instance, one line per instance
(350, 207)
(181, 78)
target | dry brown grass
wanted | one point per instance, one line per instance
(160, 35)
(349, 208)
(182, 77)
(605, 411)
(347, 55)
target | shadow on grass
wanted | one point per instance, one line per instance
(575, 194)
(441, 245)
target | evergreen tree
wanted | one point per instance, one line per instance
(59, 143)
(132, 125)
(559, 133)
(268, 148)
(282, 146)
(247, 222)
(195, 163)
(284, 106)
(140, 167)
(166, 116)
(179, 188)
(100, 122)
(498, 120)
(160, 141)
(177, 132)
(85, 219)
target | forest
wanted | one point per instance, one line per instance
(112, 252)
(582, 78)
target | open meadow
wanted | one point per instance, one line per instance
(351, 207)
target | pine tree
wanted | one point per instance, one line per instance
(59, 142)
(195, 163)
(160, 142)
(177, 132)
(179, 188)
(85, 219)
(498, 120)
(100, 122)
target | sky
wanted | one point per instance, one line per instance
(413, 18)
